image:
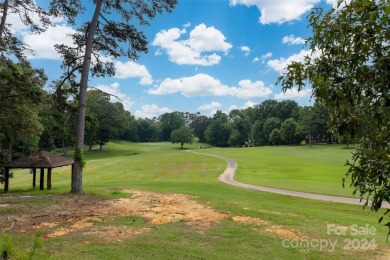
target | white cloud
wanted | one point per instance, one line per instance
(150, 111)
(212, 106)
(246, 105)
(130, 69)
(186, 25)
(334, 3)
(198, 85)
(256, 59)
(248, 89)
(43, 44)
(199, 49)
(205, 85)
(232, 107)
(115, 91)
(249, 104)
(293, 40)
(278, 11)
(294, 94)
(246, 50)
(267, 55)
(279, 65)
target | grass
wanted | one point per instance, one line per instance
(162, 167)
(316, 169)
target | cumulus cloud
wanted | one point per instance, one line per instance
(130, 69)
(43, 44)
(212, 106)
(278, 11)
(256, 59)
(294, 94)
(205, 85)
(248, 89)
(115, 91)
(199, 49)
(290, 40)
(279, 65)
(150, 111)
(246, 105)
(246, 50)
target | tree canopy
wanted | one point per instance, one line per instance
(349, 71)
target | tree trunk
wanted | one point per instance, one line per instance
(309, 139)
(3, 19)
(90, 145)
(77, 185)
(101, 145)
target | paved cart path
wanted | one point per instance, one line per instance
(228, 177)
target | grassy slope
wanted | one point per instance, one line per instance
(317, 169)
(162, 167)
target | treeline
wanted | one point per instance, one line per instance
(33, 119)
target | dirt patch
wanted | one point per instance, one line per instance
(249, 220)
(276, 230)
(116, 234)
(87, 215)
(163, 208)
(63, 215)
(283, 232)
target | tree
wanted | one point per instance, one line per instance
(218, 132)
(182, 136)
(21, 96)
(288, 131)
(269, 125)
(236, 138)
(169, 122)
(307, 123)
(27, 11)
(351, 78)
(200, 124)
(110, 28)
(257, 133)
(275, 137)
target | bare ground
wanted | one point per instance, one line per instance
(82, 215)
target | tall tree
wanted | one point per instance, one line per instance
(200, 124)
(111, 26)
(21, 96)
(26, 10)
(351, 78)
(169, 122)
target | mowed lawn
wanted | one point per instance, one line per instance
(162, 167)
(316, 169)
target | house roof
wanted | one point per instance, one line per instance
(42, 159)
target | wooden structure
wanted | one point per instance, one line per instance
(40, 161)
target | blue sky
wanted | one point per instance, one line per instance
(205, 55)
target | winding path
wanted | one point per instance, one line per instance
(228, 177)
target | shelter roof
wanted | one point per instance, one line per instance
(41, 159)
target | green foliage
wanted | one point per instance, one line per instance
(37, 243)
(200, 124)
(288, 131)
(169, 122)
(236, 138)
(182, 136)
(218, 132)
(351, 78)
(79, 156)
(275, 137)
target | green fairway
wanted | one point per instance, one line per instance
(162, 167)
(316, 169)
